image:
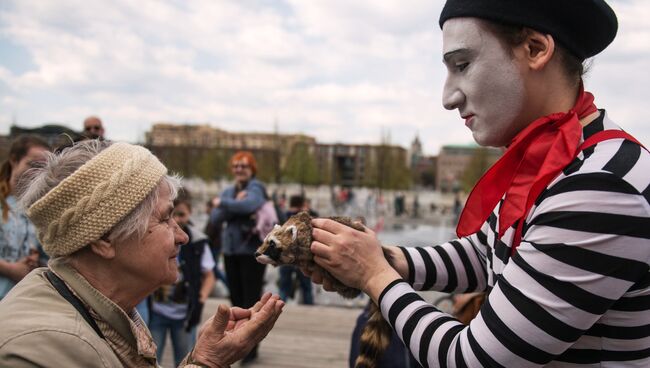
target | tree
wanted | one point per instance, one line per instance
(388, 170)
(301, 166)
(212, 164)
(391, 167)
(398, 173)
(477, 166)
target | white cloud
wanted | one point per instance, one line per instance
(339, 70)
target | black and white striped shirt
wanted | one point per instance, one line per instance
(575, 294)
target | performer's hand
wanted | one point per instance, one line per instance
(350, 255)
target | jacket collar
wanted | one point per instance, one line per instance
(106, 309)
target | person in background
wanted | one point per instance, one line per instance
(307, 207)
(93, 128)
(18, 244)
(286, 282)
(236, 207)
(177, 308)
(213, 231)
(396, 354)
(103, 212)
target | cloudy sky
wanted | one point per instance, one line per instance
(340, 70)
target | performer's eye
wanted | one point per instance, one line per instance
(461, 67)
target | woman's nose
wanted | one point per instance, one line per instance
(180, 235)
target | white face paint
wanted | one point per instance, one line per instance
(483, 82)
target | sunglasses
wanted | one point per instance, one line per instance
(240, 166)
(91, 128)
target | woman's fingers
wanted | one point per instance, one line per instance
(265, 297)
(237, 313)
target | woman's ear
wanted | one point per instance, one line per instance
(103, 248)
(538, 49)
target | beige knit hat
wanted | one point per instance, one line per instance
(97, 196)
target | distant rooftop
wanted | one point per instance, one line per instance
(466, 145)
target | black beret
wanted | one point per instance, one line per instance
(584, 27)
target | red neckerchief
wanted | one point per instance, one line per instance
(534, 158)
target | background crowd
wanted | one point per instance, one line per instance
(175, 310)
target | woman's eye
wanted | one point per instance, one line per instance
(461, 67)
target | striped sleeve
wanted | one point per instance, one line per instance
(458, 266)
(566, 296)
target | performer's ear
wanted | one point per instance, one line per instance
(539, 49)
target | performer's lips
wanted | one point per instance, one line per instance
(468, 120)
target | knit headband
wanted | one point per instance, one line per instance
(96, 197)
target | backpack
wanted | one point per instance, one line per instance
(265, 219)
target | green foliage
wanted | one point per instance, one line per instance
(301, 166)
(174, 158)
(477, 166)
(268, 165)
(388, 170)
(384, 166)
(212, 164)
(325, 175)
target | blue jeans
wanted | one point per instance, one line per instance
(286, 284)
(216, 254)
(182, 342)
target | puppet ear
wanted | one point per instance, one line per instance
(276, 227)
(294, 232)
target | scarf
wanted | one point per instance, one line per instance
(533, 159)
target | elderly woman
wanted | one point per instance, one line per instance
(103, 212)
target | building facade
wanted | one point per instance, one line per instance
(204, 136)
(361, 164)
(454, 160)
(183, 146)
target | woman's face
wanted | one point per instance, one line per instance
(152, 260)
(241, 170)
(34, 155)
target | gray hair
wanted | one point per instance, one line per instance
(37, 182)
